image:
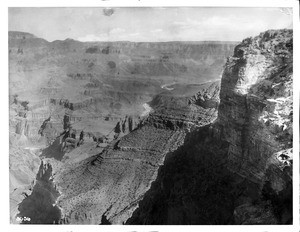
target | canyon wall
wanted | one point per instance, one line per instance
(237, 170)
(256, 108)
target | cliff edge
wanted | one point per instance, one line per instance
(256, 108)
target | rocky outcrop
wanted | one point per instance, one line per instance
(256, 118)
(126, 125)
(177, 110)
(255, 112)
(21, 126)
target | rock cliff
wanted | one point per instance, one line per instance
(238, 170)
(256, 108)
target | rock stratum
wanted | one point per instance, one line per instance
(115, 180)
(164, 141)
(256, 108)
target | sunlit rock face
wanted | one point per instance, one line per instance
(256, 119)
(256, 110)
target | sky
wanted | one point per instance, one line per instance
(148, 24)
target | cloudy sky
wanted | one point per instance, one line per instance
(148, 24)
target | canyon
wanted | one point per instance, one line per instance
(150, 133)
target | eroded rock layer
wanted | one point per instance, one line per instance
(256, 108)
(115, 180)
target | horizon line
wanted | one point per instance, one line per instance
(126, 41)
